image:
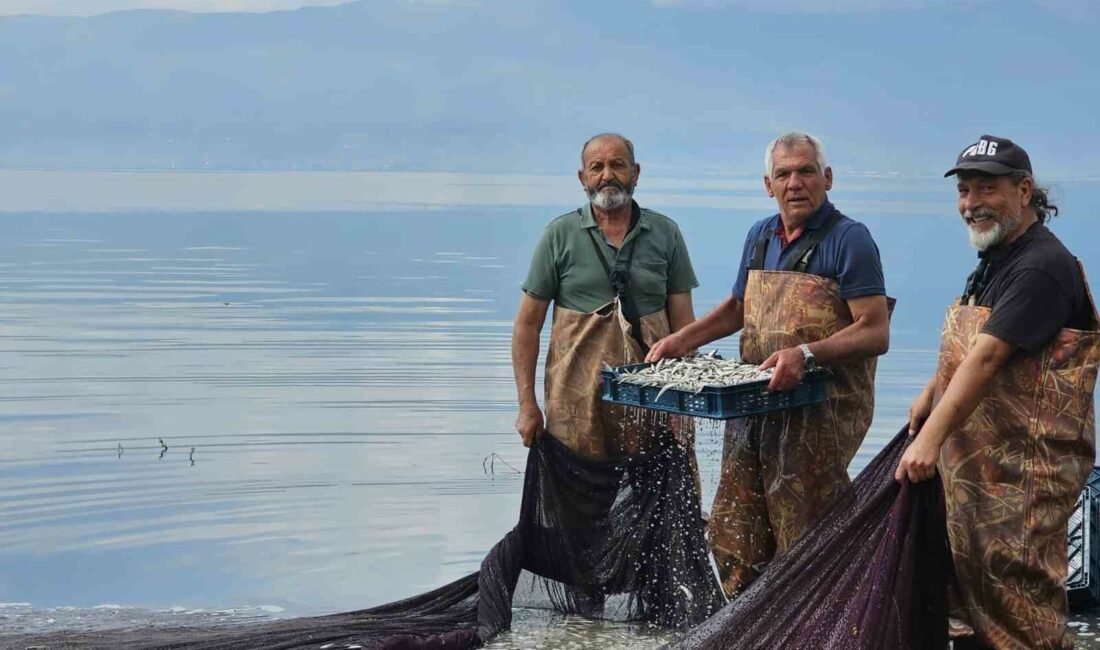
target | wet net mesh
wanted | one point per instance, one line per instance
(624, 541)
(872, 573)
(603, 539)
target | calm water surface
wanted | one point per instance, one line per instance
(227, 415)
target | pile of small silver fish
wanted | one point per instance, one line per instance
(694, 373)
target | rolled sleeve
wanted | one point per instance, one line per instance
(542, 277)
(681, 275)
(742, 280)
(859, 266)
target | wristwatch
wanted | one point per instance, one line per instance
(807, 356)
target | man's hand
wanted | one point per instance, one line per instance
(671, 346)
(789, 365)
(921, 408)
(919, 461)
(525, 353)
(529, 423)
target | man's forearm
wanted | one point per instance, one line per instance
(722, 321)
(967, 388)
(867, 336)
(930, 387)
(525, 354)
(857, 341)
(681, 313)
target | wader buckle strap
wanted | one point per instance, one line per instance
(620, 284)
(798, 258)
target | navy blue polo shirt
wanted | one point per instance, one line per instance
(847, 254)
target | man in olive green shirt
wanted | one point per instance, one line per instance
(643, 255)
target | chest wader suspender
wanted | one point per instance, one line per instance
(801, 250)
(977, 281)
(620, 284)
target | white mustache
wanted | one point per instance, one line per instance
(980, 213)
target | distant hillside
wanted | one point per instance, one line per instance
(368, 85)
(486, 85)
(365, 85)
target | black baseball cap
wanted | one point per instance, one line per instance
(992, 155)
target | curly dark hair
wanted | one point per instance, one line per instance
(1040, 197)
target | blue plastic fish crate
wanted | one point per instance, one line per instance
(1083, 556)
(726, 403)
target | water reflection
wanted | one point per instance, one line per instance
(237, 434)
(217, 411)
(540, 629)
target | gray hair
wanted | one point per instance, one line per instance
(790, 139)
(1040, 196)
(628, 143)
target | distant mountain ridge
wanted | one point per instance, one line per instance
(492, 86)
(315, 88)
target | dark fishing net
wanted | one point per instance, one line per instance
(603, 539)
(871, 574)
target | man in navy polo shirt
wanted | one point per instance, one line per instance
(809, 290)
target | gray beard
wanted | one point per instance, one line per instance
(982, 240)
(610, 198)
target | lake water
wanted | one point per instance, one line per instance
(327, 383)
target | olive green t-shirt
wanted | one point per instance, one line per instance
(565, 269)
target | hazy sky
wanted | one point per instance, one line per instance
(1077, 9)
(892, 86)
(91, 7)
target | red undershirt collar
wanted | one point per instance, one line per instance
(784, 242)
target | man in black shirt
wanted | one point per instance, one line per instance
(1008, 418)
